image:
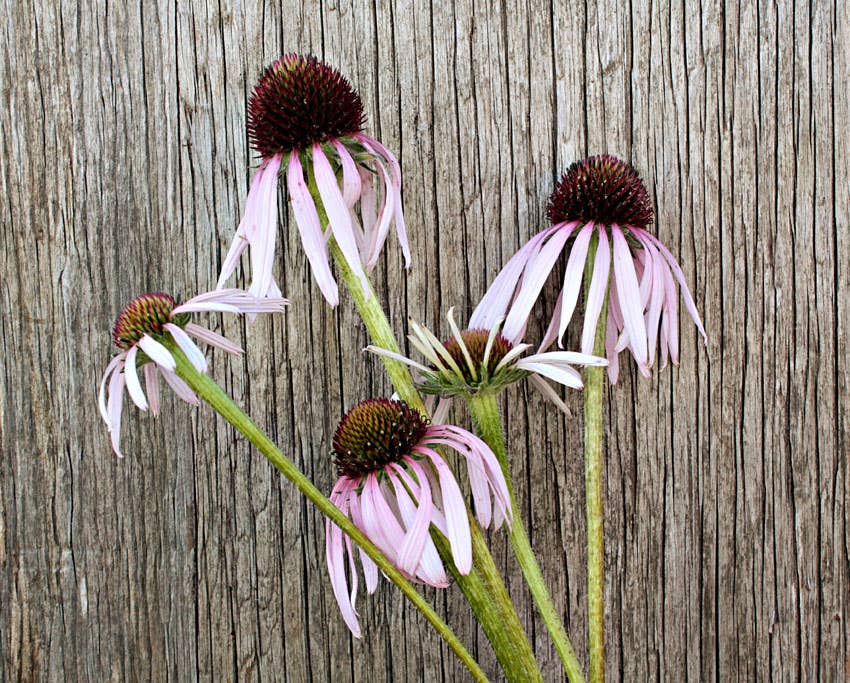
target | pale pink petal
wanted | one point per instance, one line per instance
(240, 241)
(310, 229)
(554, 325)
(213, 339)
(417, 525)
(573, 277)
(207, 307)
(549, 393)
(680, 278)
(386, 213)
(495, 301)
(563, 374)
(187, 346)
(561, 357)
(368, 209)
(336, 571)
(454, 508)
(157, 352)
(535, 276)
(370, 569)
(263, 244)
(114, 365)
(610, 345)
(152, 387)
(378, 351)
(656, 297)
(441, 412)
(596, 292)
(381, 525)
(351, 183)
(628, 293)
(113, 409)
(134, 387)
(179, 387)
(338, 216)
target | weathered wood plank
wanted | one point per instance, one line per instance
(125, 166)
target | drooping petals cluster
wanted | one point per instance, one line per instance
(599, 206)
(144, 329)
(478, 359)
(393, 484)
(306, 119)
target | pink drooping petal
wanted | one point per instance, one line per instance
(573, 277)
(656, 297)
(596, 292)
(310, 230)
(187, 346)
(240, 241)
(351, 183)
(113, 409)
(454, 508)
(338, 215)
(213, 339)
(179, 387)
(370, 569)
(534, 278)
(417, 524)
(378, 236)
(381, 525)
(264, 233)
(643, 269)
(671, 317)
(441, 411)
(479, 484)
(115, 365)
(152, 387)
(131, 376)
(336, 570)
(393, 189)
(565, 357)
(368, 209)
(628, 293)
(157, 352)
(495, 301)
(232, 301)
(680, 278)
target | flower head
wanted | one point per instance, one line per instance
(144, 329)
(394, 485)
(600, 205)
(304, 116)
(479, 359)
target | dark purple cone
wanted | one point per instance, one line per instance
(298, 101)
(602, 189)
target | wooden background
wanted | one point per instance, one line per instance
(124, 169)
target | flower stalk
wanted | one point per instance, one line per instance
(594, 440)
(209, 391)
(483, 587)
(486, 419)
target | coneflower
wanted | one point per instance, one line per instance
(604, 199)
(394, 485)
(142, 329)
(305, 116)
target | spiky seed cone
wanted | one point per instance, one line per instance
(476, 343)
(602, 189)
(298, 101)
(375, 433)
(146, 314)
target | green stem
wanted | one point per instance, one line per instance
(483, 587)
(484, 409)
(594, 439)
(212, 393)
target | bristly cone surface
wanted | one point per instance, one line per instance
(476, 343)
(146, 314)
(299, 101)
(602, 189)
(375, 433)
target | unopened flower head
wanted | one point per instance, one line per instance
(599, 206)
(304, 116)
(394, 485)
(480, 360)
(144, 330)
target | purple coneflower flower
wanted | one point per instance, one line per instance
(304, 115)
(475, 360)
(142, 326)
(604, 200)
(394, 485)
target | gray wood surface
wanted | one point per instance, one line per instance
(124, 169)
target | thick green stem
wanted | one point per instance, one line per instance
(210, 392)
(484, 409)
(594, 440)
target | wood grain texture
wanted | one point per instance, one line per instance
(125, 165)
